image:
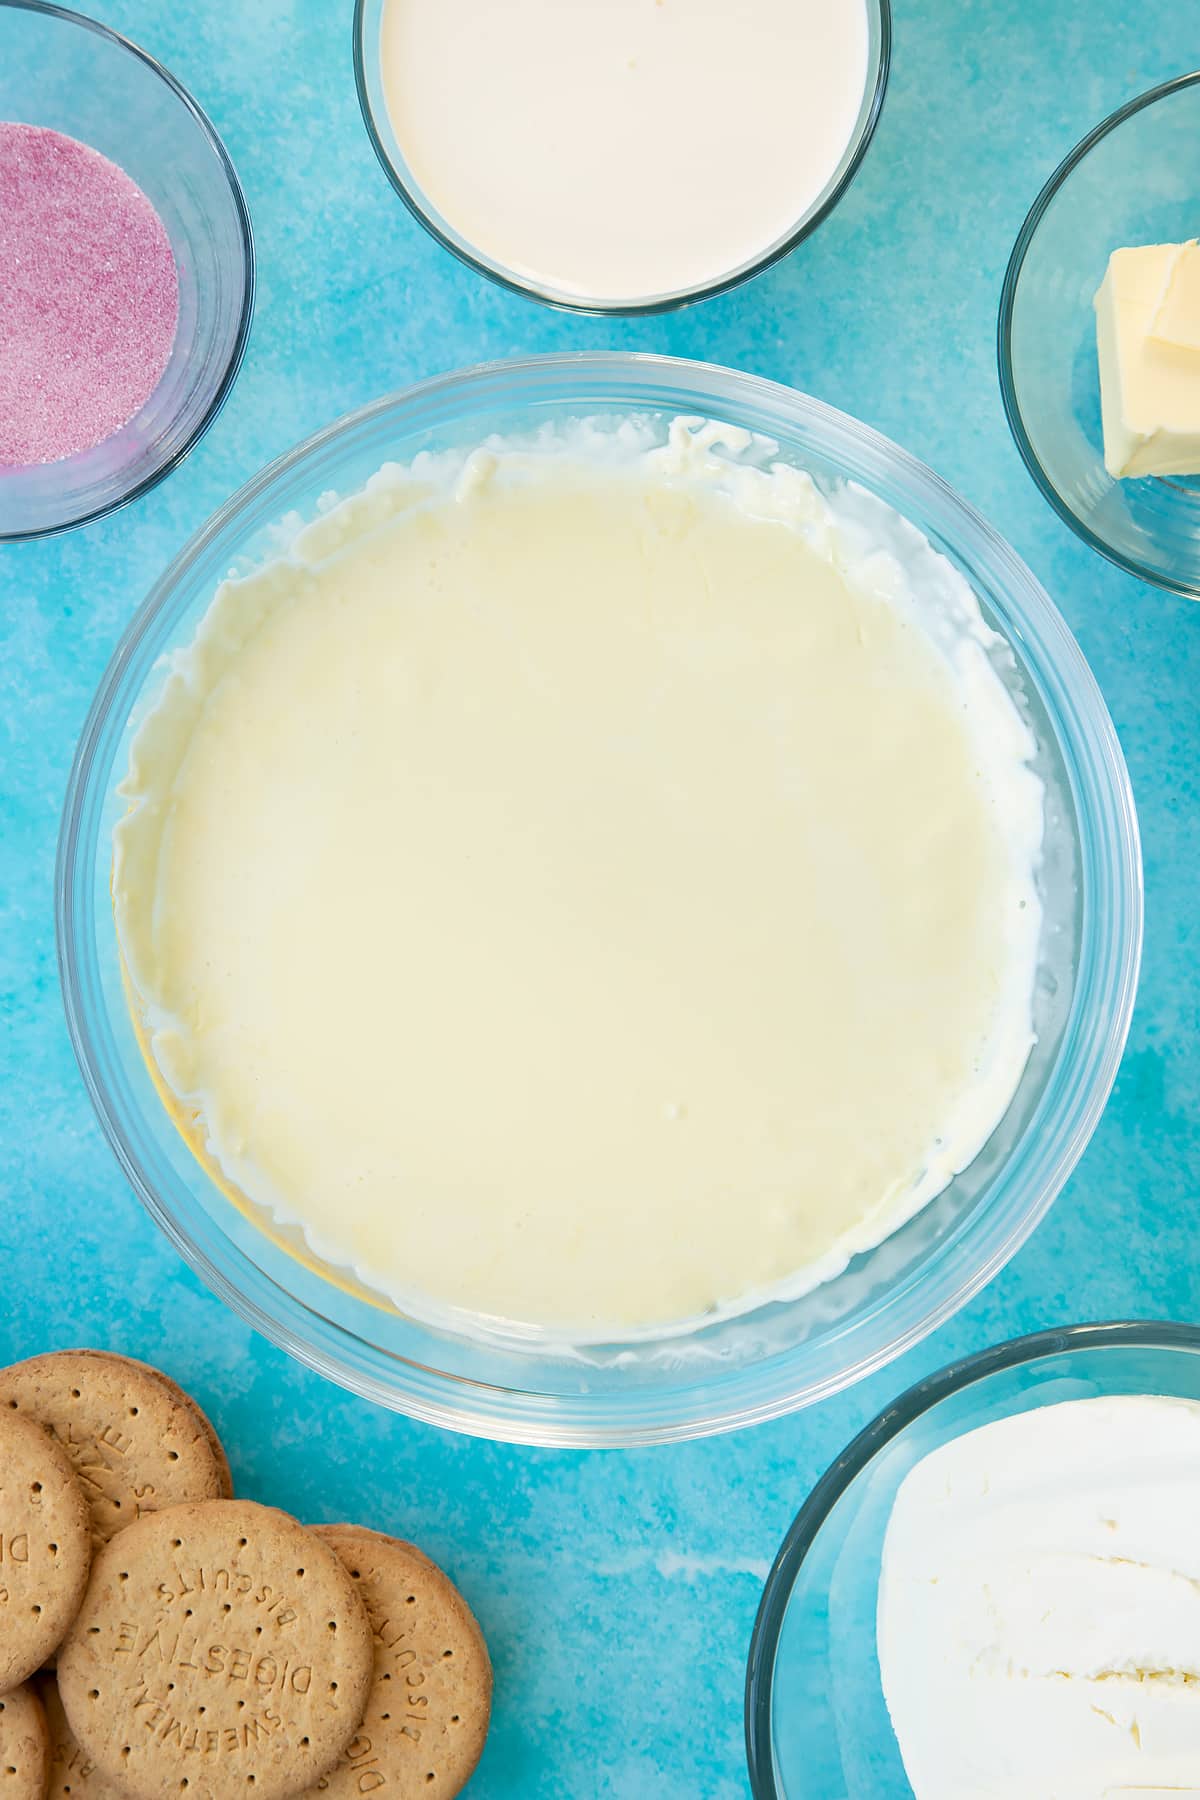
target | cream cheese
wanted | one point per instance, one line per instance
(587, 882)
(1039, 1608)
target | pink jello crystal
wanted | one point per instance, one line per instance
(89, 296)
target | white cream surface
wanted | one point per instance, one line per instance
(622, 150)
(1039, 1610)
(588, 883)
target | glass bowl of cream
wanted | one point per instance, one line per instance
(72, 89)
(598, 901)
(1130, 183)
(993, 1589)
(627, 157)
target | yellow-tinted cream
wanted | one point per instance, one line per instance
(579, 888)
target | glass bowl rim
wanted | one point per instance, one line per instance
(887, 1425)
(233, 364)
(598, 309)
(525, 1414)
(1008, 386)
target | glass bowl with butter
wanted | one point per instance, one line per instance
(1100, 353)
(992, 1590)
(598, 901)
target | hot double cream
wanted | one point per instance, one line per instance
(1039, 1613)
(587, 882)
(622, 150)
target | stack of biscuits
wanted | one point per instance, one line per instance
(161, 1640)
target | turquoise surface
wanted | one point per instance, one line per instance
(617, 1591)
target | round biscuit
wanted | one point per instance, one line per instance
(73, 1776)
(24, 1745)
(138, 1443)
(430, 1704)
(222, 1652)
(185, 1400)
(45, 1546)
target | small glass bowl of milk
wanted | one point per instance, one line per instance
(621, 156)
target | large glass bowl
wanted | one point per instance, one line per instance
(1133, 180)
(781, 1355)
(67, 73)
(368, 21)
(817, 1725)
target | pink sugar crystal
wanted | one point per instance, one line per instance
(89, 296)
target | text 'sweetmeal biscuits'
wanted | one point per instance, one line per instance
(137, 1441)
(24, 1746)
(73, 1775)
(222, 1652)
(45, 1546)
(430, 1702)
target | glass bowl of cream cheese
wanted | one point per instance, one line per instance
(598, 901)
(993, 1591)
(1128, 187)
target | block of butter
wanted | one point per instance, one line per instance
(1148, 338)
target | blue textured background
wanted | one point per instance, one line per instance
(617, 1591)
